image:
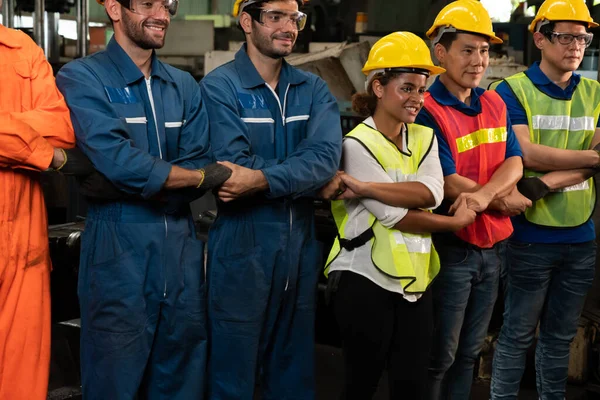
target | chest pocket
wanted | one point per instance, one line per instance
(296, 121)
(15, 81)
(261, 131)
(134, 118)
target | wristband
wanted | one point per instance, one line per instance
(201, 170)
(64, 162)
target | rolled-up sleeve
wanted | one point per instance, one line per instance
(359, 163)
(102, 135)
(316, 159)
(194, 145)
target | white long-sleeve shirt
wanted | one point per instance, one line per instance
(359, 163)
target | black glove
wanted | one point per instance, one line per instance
(333, 282)
(533, 188)
(214, 176)
(77, 163)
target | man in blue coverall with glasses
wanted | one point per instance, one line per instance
(278, 129)
(144, 127)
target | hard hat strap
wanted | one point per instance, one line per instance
(440, 32)
(541, 23)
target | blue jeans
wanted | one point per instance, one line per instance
(464, 295)
(546, 283)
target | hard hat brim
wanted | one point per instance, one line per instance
(591, 24)
(493, 39)
(433, 69)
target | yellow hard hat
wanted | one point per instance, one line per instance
(465, 16)
(239, 5)
(563, 10)
(400, 50)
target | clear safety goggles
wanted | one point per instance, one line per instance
(568, 38)
(277, 19)
(150, 8)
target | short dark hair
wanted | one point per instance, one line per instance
(251, 7)
(447, 39)
(551, 25)
(548, 28)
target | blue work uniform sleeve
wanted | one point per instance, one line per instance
(513, 148)
(316, 159)
(194, 145)
(102, 135)
(515, 110)
(229, 138)
(445, 154)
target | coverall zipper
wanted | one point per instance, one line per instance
(282, 110)
(149, 87)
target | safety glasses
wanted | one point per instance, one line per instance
(277, 19)
(568, 38)
(150, 8)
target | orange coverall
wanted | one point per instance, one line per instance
(34, 119)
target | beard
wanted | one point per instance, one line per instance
(265, 43)
(135, 32)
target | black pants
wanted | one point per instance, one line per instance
(380, 330)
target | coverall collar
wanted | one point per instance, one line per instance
(9, 38)
(251, 78)
(129, 69)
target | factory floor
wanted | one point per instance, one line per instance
(329, 377)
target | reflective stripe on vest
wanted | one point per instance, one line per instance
(478, 146)
(563, 124)
(409, 258)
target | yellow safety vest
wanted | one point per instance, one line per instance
(409, 258)
(562, 124)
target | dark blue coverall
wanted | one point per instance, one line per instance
(264, 259)
(141, 277)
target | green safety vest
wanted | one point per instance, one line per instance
(562, 124)
(409, 258)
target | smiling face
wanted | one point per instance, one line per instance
(273, 42)
(402, 97)
(146, 32)
(465, 59)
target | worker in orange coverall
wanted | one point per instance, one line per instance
(34, 126)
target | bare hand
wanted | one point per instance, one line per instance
(243, 182)
(478, 201)
(514, 203)
(58, 159)
(358, 187)
(463, 215)
(333, 188)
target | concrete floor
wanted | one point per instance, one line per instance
(329, 377)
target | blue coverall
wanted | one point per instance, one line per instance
(141, 277)
(263, 257)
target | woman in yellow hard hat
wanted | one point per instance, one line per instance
(383, 261)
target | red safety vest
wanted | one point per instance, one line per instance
(478, 145)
